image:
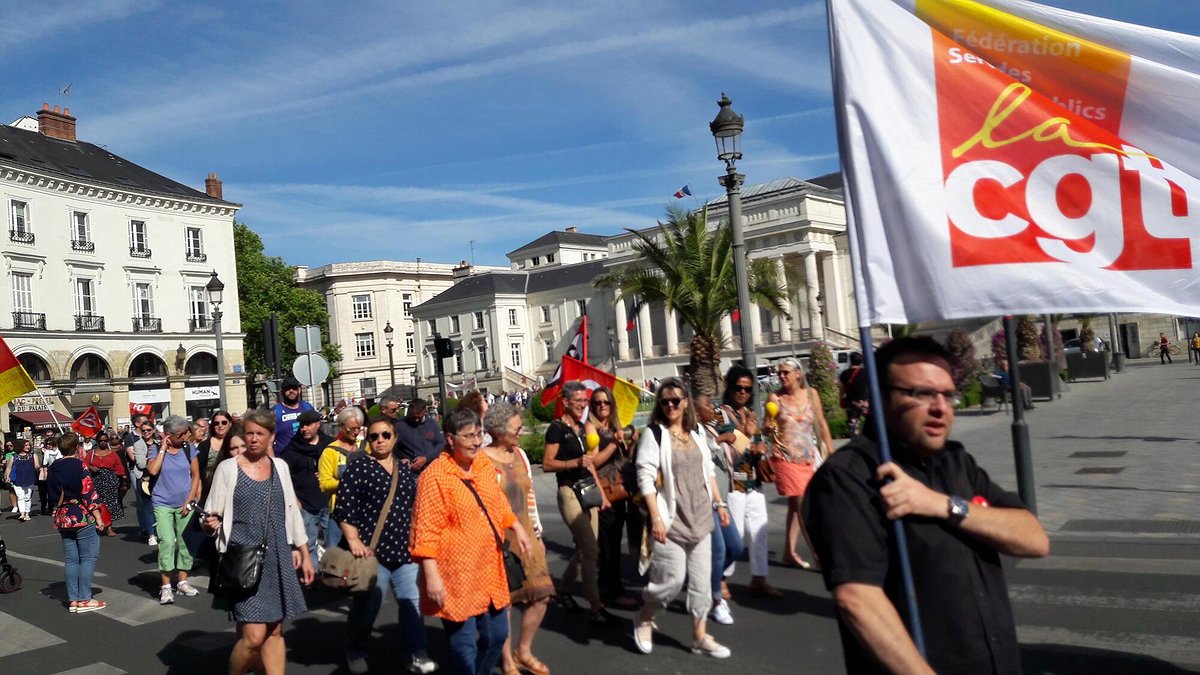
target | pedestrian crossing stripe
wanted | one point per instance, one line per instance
(94, 669)
(1180, 567)
(136, 609)
(20, 636)
(1176, 649)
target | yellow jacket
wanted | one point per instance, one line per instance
(332, 457)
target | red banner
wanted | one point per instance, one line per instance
(89, 423)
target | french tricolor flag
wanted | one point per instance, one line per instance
(682, 192)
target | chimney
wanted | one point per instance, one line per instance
(572, 229)
(56, 124)
(212, 185)
(461, 271)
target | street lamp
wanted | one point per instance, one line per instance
(387, 334)
(216, 291)
(727, 131)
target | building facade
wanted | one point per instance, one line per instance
(106, 265)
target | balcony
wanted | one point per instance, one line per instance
(200, 324)
(139, 252)
(147, 324)
(89, 322)
(194, 255)
(29, 320)
(81, 245)
(20, 236)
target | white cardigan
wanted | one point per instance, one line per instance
(220, 502)
(653, 459)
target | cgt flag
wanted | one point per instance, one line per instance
(14, 381)
(1046, 160)
(576, 350)
(626, 394)
(89, 423)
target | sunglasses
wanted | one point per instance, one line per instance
(742, 389)
(220, 423)
(672, 402)
(597, 404)
(376, 435)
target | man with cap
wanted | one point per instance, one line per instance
(287, 412)
(418, 438)
(301, 456)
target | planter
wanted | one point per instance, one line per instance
(1087, 365)
(1037, 375)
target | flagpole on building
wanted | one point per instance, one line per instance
(637, 329)
(862, 301)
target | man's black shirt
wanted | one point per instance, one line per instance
(301, 458)
(961, 594)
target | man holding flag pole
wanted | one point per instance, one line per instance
(1046, 162)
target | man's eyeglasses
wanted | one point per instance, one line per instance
(473, 436)
(670, 402)
(376, 435)
(928, 396)
(578, 400)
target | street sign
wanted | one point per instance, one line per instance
(310, 369)
(308, 339)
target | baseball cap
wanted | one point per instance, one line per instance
(308, 417)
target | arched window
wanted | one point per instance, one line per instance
(35, 366)
(90, 367)
(147, 365)
(201, 364)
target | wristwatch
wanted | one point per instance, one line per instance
(959, 509)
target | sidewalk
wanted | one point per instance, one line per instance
(1107, 454)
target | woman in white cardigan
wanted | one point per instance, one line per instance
(675, 475)
(252, 501)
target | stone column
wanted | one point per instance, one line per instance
(839, 293)
(644, 329)
(621, 321)
(783, 321)
(726, 331)
(812, 283)
(672, 332)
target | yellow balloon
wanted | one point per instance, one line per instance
(593, 440)
(772, 409)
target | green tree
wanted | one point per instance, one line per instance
(265, 285)
(690, 270)
(822, 376)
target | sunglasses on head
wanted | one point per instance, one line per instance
(672, 402)
(376, 435)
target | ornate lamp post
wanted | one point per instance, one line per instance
(216, 291)
(387, 334)
(727, 131)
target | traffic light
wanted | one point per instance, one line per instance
(444, 347)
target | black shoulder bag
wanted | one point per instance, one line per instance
(512, 564)
(241, 565)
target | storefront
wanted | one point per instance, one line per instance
(158, 397)
(202, 400)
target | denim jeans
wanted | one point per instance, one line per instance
(475, 644)
(145, 511)
(726, 547)
(314, 523)
(402, 584)
(80, 549)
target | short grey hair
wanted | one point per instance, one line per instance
(571, 388)
(175, 424)
(351, 411)
(386, 399)
(495, 422)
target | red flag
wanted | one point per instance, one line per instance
(625, 394)
(89, 423)
(142, 409)
(576, 350)
(735, 315)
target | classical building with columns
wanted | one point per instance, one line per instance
(801, 226)
(106, 264)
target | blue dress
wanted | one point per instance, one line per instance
(278, 596)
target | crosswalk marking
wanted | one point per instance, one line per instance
(1072, 596)
(1176, 649)
(1124, 565)
(136, 609)
(20, 636)
(94, 669)
(46, 561)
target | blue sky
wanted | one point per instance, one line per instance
(367, 130)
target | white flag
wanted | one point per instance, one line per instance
(1006, 157)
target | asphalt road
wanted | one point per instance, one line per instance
(1120, 592)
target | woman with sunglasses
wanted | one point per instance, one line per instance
(677, 479)
(798, 433)
(622, 514)
(503, 424)
(361, 495)
(567, 456)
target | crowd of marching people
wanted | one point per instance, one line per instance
(443, 518)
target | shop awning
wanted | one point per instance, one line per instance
(41, 419)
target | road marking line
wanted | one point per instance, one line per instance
(20, 636)
(46, 561)
(1070, 596)
(1172, 648)
(94, 669)
(43, 536)
(1121, 565)
(136, 609)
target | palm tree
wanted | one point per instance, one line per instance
(690, 270)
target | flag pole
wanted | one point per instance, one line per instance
(861, 298)
(53, 413)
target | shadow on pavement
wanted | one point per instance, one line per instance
(1147, 439)
(1067, 660)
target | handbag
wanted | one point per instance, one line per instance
(588, 492)
(341, 570)
(240, 566)
(618, 478)
(513, 569)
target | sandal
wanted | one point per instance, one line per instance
(531, 663)
(567, 602)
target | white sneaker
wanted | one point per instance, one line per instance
(184, 588)
(16, 509)
(166, 596)
(721, 614)
(153, 541)
(709, 647)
